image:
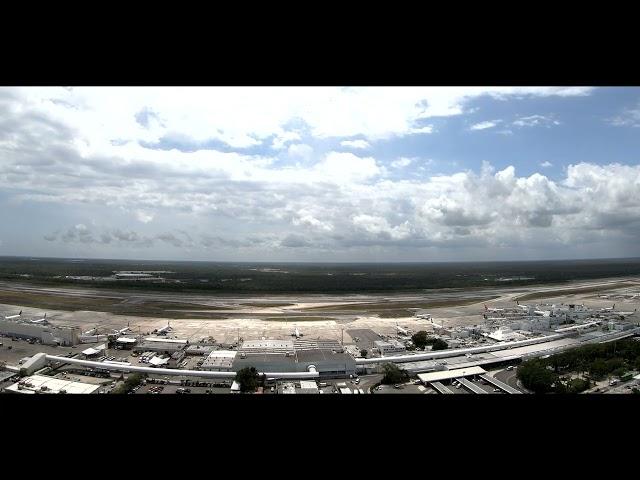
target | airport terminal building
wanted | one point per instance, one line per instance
(326, 357)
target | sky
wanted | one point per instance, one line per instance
(322, 174)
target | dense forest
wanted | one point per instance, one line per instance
(590, 362)
(320, 278)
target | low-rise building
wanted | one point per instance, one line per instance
(44, 333)
(43, 384)
(219, 360)
(390, 347)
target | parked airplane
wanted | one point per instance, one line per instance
(401, 330)
(296, 333)
(91, 332)
(164, 330)
(12, 317)
(123, 330)
(41, 320)
(608, 309)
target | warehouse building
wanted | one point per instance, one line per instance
(94, 351)
(308, 387)
(390, 347)
(219, 361)
(164, 347)
(40, 332)
(200, 350)
(43, 384)
(125, 343)
(282, 356)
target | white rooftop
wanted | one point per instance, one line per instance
(157, 361)
(126, 340)
(449, 374)
(164, 340)
(34, 384)
(223, 354)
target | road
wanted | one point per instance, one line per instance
(509, 377)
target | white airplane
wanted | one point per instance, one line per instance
(123, 330)
(41, 320)
(403, 331)
(424, 316)
(608, 309)
(91, 332)
(164, 330)
(493, 309)
(11, 317)
(296, 333)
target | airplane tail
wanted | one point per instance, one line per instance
(485, 307)
(20, 312)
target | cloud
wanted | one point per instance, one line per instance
(546, 164)
(55, 158)
(284, 137)
(485, 125)
(341, 167)
(243, 117)
(464, 210)
(402, 162)
(300, 150)
(535, 120)
(629, 117)
(360, 144)
(145, 116)
(144, 217)
(294, 241)
(420, 130)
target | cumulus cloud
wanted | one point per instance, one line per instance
(535, 121)
(546, 164)
(57, 158)
(629, 117)
(144, 217)
(361, 144)
(485, 125)
(420, 130)
(300, 150)
(402, 162)
(294, 241)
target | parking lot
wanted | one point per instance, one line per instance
(363, 338)
(12, 351)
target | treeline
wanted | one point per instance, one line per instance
(319, 278)
(593, 362)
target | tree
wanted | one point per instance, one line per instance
(132, 381)
(439, 344)
(535, 376)
(420, 339)
(248, 379)
(393, 374)
(364, 352)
